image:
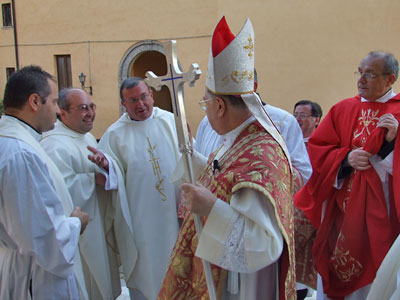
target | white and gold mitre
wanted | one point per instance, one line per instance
(231, 62)
(231, 72)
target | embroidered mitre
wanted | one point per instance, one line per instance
(231, 72)
(231, 62)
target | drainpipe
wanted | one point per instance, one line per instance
(15, 35)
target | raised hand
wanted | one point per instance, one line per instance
(98, 158)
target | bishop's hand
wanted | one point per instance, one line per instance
(197, 198)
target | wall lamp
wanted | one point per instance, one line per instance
(82, 79)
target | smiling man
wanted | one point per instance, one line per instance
(67, 145)
(354, 185)
(144, 144)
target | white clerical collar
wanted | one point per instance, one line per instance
(305, 140)
(389, 95)
(37, 136)
(228, 138)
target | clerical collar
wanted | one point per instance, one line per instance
(228, 138)
(305, 140)
(389, 95)
(36, 134)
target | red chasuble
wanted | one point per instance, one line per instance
(356, 231)
(255, 161)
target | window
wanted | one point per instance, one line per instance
(6, 10)
(64, 76)
(9, 72)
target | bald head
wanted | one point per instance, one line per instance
(77, 110)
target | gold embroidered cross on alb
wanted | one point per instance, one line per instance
(157, 170)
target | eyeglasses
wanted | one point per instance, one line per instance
(368, 76)
(84, 107)
(143, 97)
(203, 103)
(301, 116)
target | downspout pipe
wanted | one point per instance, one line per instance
(15, 35)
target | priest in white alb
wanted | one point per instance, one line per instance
(69, 144)
(143, 143)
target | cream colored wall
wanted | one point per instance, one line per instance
(304, 49)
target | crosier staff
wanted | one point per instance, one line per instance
(174, 80)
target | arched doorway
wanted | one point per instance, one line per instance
(140, 58)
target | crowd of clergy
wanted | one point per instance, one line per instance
(290, 203)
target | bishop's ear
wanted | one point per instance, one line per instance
(221, 106)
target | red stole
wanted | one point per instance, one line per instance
(255, 160)
(356, 231)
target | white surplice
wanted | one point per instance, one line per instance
(38, 241)
(146, 153)
(68, 150)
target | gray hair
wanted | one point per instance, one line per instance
(63, 101)
(390, 63)
(129, 83)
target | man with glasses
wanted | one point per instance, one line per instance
(144, 144)
(69, 144)
(39, 228)
(308, 114)
(353, 194)
(243, 193)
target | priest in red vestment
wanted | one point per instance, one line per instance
(353, 195)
